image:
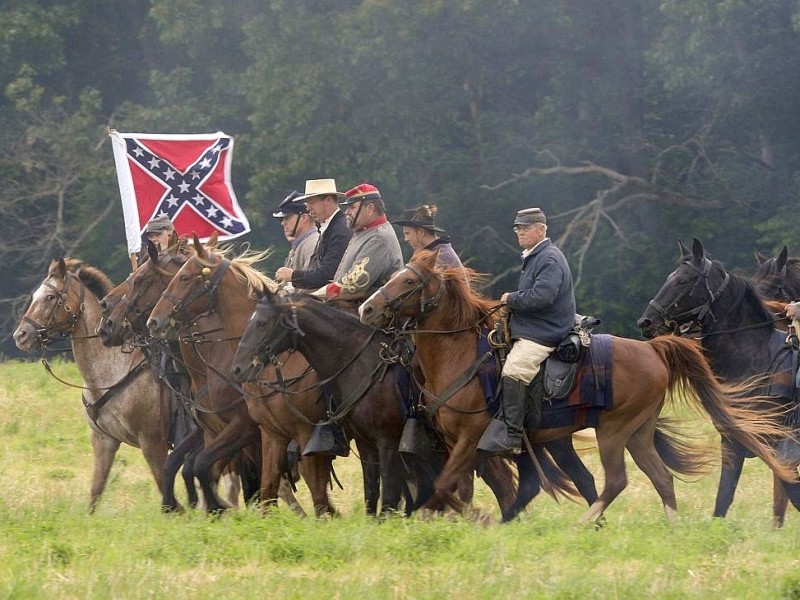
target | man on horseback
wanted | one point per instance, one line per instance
(299, 229)
(541, 314)
(161, 232)
(421, 233)
(373, 253)
(334, 234)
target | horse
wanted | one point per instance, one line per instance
(777, 277)
(643, 373)
(284, 411)
(123, 402)
(131, 308)
(125, 310)
(738, 335)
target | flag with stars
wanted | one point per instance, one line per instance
(186, 177)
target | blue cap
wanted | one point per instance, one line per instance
(290, 206)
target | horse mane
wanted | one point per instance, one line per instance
(93, 278)
(242, 267)
(468, 307)
(744, 290)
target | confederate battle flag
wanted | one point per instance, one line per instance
(186, 177)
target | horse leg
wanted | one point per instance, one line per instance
(272, 451)
(780, 500)
(732, 463)
(392, 476)
(644, 454)
(499, 478)
(370, 468)
(563, 452)
(612, 457)
(231, 483)
(155, 452)
(316, 472)
(233, 438)
(104, 449)
(529, 484)
(174, 461)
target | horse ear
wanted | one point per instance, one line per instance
(698, 253)
(212, 241)
(685, 252)
(60, 268)
(782, 258)
(152, 251)
(760, 258)
(429, 259)
(198, 247)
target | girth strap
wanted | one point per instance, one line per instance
(93, 408)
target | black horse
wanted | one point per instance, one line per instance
(739, 337)
(349, 354)
(778, 277)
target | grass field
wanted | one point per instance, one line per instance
(50, 547)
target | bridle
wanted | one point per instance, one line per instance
(286, 323)
(395, 305)
(701, 315)
(59, 330)
(132, 303)
(206, 284)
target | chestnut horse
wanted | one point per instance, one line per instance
(447, 310)
(126, 309)
(123, 401)
(738, 334)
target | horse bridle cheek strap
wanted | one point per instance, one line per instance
(208, 288)
(64, 329)
(698, 314)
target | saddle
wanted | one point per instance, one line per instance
(560, 369)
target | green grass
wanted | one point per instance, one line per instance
(50, 547)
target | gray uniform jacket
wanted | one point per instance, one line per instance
(372, 256)
(302, 250)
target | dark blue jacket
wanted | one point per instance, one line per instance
(330, 248)
(543, 310)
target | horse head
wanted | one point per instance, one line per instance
(60, 302)
(777, 278)
(127, 307)
(191, 293)
(687, 297)
(410, 293)
(272, 329)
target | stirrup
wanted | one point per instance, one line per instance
(496, 439)
(327, 438)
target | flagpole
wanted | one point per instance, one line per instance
(134, 262)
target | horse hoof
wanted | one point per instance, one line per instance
(172, 509)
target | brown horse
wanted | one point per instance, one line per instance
(284, 410)
(644, 376)
(125, 312)
(123, 402)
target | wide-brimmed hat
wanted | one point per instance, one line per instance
(361, 193)
(159, 224)
(529, 216)
(415, 217)
(291, 206)
(320, 187)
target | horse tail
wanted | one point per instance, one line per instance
(680, 456)
(733, 411)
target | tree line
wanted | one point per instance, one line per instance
(632, 125)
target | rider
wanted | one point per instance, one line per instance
(373, 253)
(542, 312)
(299, 229)
(161, 232)
(421, 233)
(321, 197)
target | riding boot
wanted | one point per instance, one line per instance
(504, 436)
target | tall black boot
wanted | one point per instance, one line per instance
(505, 435)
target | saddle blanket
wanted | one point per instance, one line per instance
(592, 393)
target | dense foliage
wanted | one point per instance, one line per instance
(631, 124)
